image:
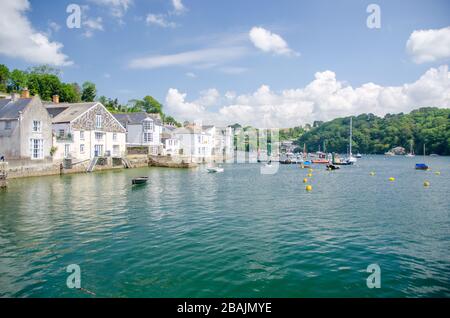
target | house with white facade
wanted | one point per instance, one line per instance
(223, 142)
(25, 128)
(84, 131)
(196, 142)
(142, 130)
(170, 142)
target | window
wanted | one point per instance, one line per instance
(148, 137)
(148, 125)
(82, 148)
(199, 139)
(36, 126)
(98, 136)
(98, 121)
(114, 136)
(61, 133)
(7, 125)
(81, 135)
(37, 148)
(116, 150)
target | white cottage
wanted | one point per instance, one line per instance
(83, 131)
(143, 130)
(25, 128)
(196, 142)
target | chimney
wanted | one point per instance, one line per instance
(15, 97)
(55, 99)
(25, 93)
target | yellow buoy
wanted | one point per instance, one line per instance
(305, 180)
(310, 170)
(309, 175)
(426, 184)
(437, 173)
(391, 179)
(308, 188)
(372, 173)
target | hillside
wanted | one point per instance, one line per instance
(376, 135)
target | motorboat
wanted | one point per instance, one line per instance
(139, 180)
(215, 169)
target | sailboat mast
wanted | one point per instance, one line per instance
(351, 137)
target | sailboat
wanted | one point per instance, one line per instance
(411, 151)
(350, 158)
(422, 166)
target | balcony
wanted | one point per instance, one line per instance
(64, 137)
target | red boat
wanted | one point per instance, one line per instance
(321, 158)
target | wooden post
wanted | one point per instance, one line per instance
(3, 175)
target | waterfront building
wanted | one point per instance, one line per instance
(196, 142)
(25, 128)
(84, 131)
(171, 144)
(223, 142)
(142, 130)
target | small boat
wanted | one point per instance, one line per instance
(411, 151)
(215, 170)
(305, 164)
(332, 167)
(358, 155)
(421, 166)
(139, 180)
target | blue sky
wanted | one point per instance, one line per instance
(209, 47)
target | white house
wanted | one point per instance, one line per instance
(25, 128)
(170, 142)
(223, 142)
(142, 130)
(196, 142)
(83, 131)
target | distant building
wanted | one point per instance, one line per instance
(84, 131)
(195, 142)
(25, 128)
(143, 130)
(223, 142)
(171, 144)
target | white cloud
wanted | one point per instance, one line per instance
(233, 70)
(429, 45)
(90, 25)
(203, 58)
(159, 20)
(324, 98)
(117, 8)
(191, 75)
(178, 7)
(269, 42)
(18, 38)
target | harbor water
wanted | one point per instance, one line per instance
(240, 233)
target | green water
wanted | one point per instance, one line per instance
(239, 233)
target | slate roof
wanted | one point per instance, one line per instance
(10, 109)
(135, 118)
(65, 113)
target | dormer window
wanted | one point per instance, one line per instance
(148, 125)
(98, 121)
(7, 125)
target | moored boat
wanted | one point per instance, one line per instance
(215, 169)
(139, 180)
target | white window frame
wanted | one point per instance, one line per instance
(36, 148)
(98, 136)
(148, 125)
(98, 121)
(82, 148)
(37, 126)
(148, 137)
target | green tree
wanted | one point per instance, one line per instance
(147, 104)
(18, 80)
(89, 92)
(44, 85)
(69, 94)
(4, 77)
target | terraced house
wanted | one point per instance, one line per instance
(84, 131)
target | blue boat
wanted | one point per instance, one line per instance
(421, 166)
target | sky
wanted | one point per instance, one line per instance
(264, 63)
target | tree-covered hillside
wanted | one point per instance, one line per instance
(375, 135)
